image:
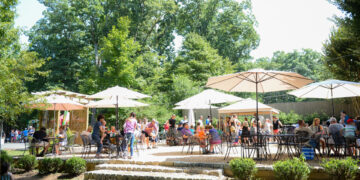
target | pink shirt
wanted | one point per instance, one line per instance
(150, 125)
(129, 126)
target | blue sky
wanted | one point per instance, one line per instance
(282, 24)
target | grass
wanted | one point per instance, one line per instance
(17, 152)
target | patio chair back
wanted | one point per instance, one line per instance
(303, 136)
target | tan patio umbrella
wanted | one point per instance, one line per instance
(55, 103)
(258, 80)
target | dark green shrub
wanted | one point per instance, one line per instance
(341, 168)
(27, 162)
(50, 165)
(75, 166)
(5, 157)
(243, 168)
(292, 169)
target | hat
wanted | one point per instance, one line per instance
(350, 121)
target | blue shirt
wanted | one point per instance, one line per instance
(207, 122)
(25, 133)
(96, 129)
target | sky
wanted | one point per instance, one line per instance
(282, 24)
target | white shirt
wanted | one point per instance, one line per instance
(201, 122)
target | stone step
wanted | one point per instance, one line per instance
(130, 175)
(154, 168)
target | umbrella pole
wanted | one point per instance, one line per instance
(117, 113)
(332, 101)
(54, 119)
(257, 117)
(210, 112)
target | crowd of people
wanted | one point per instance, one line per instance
(18, 136)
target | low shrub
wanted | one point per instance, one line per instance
(27, 162)
(292, 169)
(340, 168)
(50, 165)
(5, 157)
(75, 166)
(243, 168)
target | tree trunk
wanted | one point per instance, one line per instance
(1, 132)
(97, 59)
(356, 105)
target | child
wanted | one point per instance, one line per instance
(202, 136)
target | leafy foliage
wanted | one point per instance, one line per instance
(341, 169)
(292, 169)
(243, 168)
(5, 157)
(50, 165)
(75, 166)
(289, 118)
(199, 60)
(27, 162)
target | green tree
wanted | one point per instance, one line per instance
(227, 25)
(16, 67)
(199, 61)
(341, 50)
(58, 36)
(119, 54)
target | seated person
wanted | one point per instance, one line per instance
(186, 131)
(202, 137)
(318, 131)
(349, 132)
(150, 133)
(335, 132)
(214, 137)
(87, 132)
(304, 132)
(245, 132)
(40, 140)
(62, 140)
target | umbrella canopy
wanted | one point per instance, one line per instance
(120, 92)
(268, 81)
(195, 106)
(56, 103)
(258, 80)
(209, 96)
(247, 107)
(114, 102)
(328, 89)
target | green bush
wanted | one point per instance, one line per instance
(341, 168)
(243, 168)
(289, 118)
(50, 165)
(27, 162)
(75, 166)
(310, 117)
(5, 157)
(292, 169)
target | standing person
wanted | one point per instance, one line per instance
(62, 140)
(343, 118)
(150, 133)
(25, 135)
(207, 121)
(129, 129)
(201, 119)
(172, 122)
(12, 134)
(276, 125)
(31, 131)
(97, 132)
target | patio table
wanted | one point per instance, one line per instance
(287, 143)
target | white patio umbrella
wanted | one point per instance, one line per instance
(208, 97)
(329, 89)
(115, 102)
(258, 80)
(118, 93)
(191, 108)
(55, 103)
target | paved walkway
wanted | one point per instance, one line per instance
(13, 146)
